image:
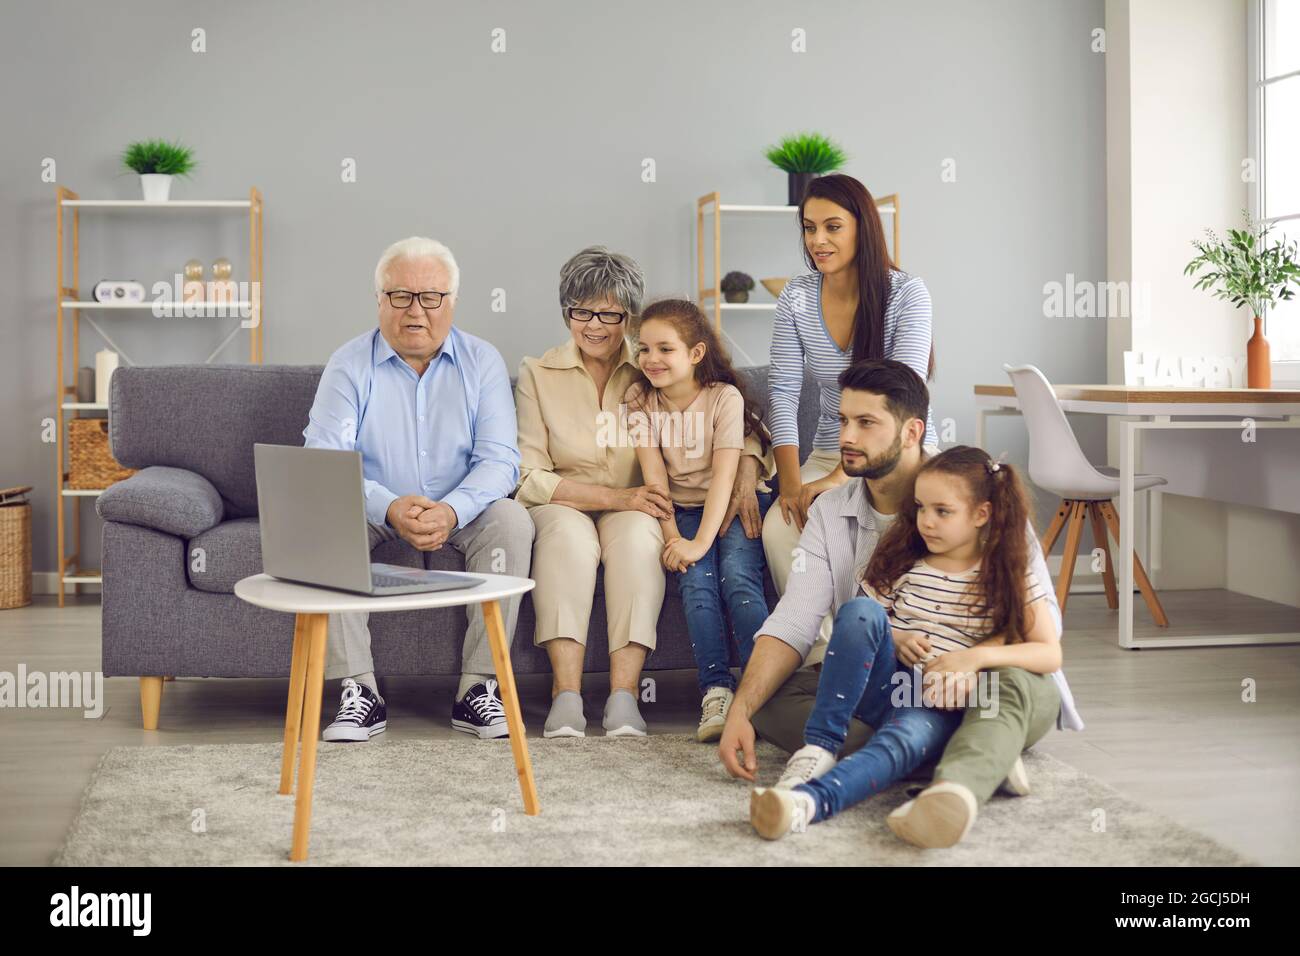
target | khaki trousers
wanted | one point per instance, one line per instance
(569, 548)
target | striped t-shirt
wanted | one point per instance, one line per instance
(800, 337)
(942, 606)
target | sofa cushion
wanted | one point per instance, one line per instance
(173, 500)
(206, 418)
(216, 559)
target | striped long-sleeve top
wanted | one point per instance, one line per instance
(944, 606)
(800, 338)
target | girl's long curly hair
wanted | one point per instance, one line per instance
(1000, 585)
(715, 368)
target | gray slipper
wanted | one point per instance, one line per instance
(622, 717)
(565, 718)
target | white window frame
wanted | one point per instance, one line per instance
(1285, 373)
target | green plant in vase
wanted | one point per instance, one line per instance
(804, 156)
(1248, 270)
(157, 161)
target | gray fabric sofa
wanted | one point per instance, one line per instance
(190, 429)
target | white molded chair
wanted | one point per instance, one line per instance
(1057, 464)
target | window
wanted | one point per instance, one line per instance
(1274, 116)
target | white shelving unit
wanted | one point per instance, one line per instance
(69, 303)
(161, 206)
(885, 205)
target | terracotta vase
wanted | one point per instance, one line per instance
(1259, 370)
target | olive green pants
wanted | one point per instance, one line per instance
(979, 754)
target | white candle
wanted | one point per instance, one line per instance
(105, 363)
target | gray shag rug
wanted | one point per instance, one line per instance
(658, 800)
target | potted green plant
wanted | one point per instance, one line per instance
(157, 161)
(804, 156)
(736, 286)
(1248, 270)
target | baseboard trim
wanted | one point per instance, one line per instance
(47, 582)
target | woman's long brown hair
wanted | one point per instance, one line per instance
(715, 368)
(1001, 582)
(870, 259)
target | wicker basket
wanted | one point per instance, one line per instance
(90, 466)
(15, 548)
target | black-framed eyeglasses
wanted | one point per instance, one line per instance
(606, 318)
(402, 299)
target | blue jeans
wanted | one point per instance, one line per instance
(730, 574)
(858, 680)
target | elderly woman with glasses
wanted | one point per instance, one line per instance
(583, 487)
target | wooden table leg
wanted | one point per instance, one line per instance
(293, 713)
(510, 697)
(317, 626)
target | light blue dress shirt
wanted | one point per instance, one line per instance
(449, 434)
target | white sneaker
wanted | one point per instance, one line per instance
(940, 816)
(1017, 782)
(773, 813)
(807, 763)
(713, 714)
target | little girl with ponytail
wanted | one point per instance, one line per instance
(948, 592)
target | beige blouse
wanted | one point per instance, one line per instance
(564, 432)
(560, 425)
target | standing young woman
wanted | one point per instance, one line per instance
(854, 305)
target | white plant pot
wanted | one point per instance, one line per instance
(156, 186)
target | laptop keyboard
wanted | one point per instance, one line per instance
(381, 580)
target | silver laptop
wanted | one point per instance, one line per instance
(311, 506)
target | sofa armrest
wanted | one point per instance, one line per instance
(173, 500)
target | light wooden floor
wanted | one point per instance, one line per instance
(1167, 727)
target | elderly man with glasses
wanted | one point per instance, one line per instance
(430, 409)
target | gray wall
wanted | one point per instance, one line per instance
(516, 160)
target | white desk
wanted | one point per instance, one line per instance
(1215, 468)
(307, 672)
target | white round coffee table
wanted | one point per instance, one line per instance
(312, 606)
